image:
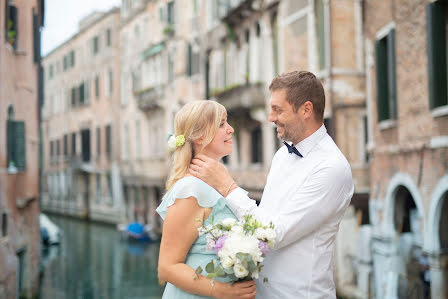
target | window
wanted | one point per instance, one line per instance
(73, 144)
(108, 141)
(4, 222)
(97, 87)
(95, 45)
(73, 96)
(170, 68)
(85, 145)
(65, 145)
(108, 37)
(98, 142)
(12, 23)
(170, 12)
(111, 82)
(98, 186)
(58, 149)
(50, 72)
(51, 150)
(16, 144)
(436, 13)
(72, 58)
(65, 63)
(257, 145)
(192, 59)
(386, 77)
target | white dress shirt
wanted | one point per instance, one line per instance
(305, 198)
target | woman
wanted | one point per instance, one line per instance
(201, 128)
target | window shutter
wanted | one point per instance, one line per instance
(391, 75)
(381, 80)
(189, 60)
(14, 18)
(10, 141)
(436, 45)
(20, 144)
(36, 38)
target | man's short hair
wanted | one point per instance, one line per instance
(301, 86)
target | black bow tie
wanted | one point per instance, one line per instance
(292, 149)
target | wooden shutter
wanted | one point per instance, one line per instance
(20, 144)
(391, 75)
(436, 47)
(381, 79)
(10, 141)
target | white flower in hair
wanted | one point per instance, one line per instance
(172, 143)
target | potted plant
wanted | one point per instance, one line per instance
(168, 30)
(11, 34)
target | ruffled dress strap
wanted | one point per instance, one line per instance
(190, 186)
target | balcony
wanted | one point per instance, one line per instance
(241, 96)
(78, 163)
(239, 10)
(150, 98)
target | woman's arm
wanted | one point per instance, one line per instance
(179, 233)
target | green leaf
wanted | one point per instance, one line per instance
(228, 270)
(198, 270)
(210, 267)
(220, 271)
(265, 280)
(211, 275)
(244, 257)
(251, 266)
(197, 219)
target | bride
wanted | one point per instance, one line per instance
(201, 128)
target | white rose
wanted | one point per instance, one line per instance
(227, 262)
(270, 234)
(229, 222)
(260, 233)
(237, 229)
(172, 143)
(240, 271)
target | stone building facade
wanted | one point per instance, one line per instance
(80, 126)
(406, 79)
(20, 69)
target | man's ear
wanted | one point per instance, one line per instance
(307, 109)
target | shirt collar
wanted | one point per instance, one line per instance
(307, 144)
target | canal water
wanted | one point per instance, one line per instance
(93, 262)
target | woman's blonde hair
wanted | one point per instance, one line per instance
(197, 119)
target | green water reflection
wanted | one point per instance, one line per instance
(92, 262)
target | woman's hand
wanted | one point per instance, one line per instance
(238, 290)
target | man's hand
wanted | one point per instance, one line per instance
(213, 173)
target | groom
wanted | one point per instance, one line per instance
(308, 189)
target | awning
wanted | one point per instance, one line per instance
(156, 49)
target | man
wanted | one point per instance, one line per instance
(308, 189)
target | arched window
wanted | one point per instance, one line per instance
(11, 112)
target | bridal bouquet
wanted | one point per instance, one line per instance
(240, 246)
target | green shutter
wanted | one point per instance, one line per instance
(381, 79)
(391, 75)
(189, 58)
(10, 141)
(436, 45)
(20, 140)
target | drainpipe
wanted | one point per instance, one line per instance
(327, 15)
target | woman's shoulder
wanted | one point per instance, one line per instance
(189, 187)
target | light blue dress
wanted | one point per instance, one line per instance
(198, 255)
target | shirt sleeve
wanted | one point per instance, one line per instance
(327, 191)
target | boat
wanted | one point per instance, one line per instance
(50, 233)
(136, 231)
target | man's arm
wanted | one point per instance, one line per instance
(325, 192)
